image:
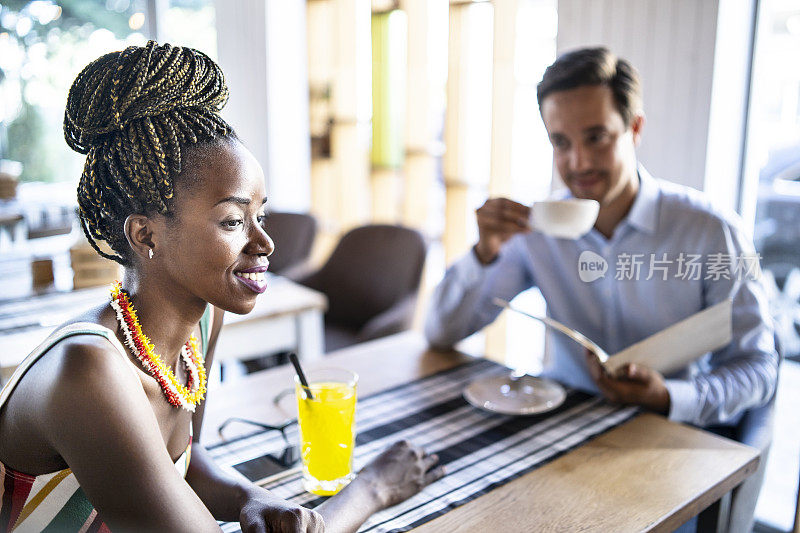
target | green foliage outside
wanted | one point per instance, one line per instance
(28, 131)
(33, 136)
(33, 89)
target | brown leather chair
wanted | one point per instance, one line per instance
(371, 281)
(293, 235)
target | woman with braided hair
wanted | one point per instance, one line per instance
(94, 425)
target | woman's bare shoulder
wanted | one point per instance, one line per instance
(79, 360)
(79, 368)
(86, 379)
(95, 416)
(79, 382)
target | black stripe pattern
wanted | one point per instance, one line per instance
(480, 450)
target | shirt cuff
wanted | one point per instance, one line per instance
(683, 400)
(469, 270)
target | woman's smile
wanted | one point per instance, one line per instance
(254, 279)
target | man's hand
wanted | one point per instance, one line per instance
(498, 220)
(264, 512)
(632, 384)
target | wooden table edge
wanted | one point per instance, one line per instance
(705, 501)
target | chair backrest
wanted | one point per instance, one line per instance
(293, 235)
(372, 268)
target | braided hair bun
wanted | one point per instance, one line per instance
(134, 113)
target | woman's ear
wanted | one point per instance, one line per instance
(139, 231)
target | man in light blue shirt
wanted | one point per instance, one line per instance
(667, 253)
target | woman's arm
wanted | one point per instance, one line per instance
(230, 496)
(93, 409)
(233, 498)
(222, 493)
(398, 473)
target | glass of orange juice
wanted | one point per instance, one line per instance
(327, 429)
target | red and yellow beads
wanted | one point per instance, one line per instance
(185, 396)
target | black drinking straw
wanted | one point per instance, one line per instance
(300, 374)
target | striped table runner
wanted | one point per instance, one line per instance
(481, 450)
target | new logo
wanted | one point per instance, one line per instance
(591, 266)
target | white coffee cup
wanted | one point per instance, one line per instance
(571, 218)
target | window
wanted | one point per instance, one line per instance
(43, 46)
(773, 152)
(189, 23)
(773, 162)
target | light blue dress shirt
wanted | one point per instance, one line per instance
(689, 256)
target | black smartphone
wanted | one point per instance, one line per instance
(267, 467)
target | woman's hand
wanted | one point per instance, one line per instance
(263, 512)
(401, 471)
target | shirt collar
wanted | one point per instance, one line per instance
(644, 211)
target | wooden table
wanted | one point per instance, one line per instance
(648, 474)
(287, 316)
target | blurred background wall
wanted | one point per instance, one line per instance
(413, 112)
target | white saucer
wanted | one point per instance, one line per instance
(526, 395)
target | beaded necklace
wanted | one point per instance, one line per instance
(177, 394)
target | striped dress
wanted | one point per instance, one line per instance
(55, 501)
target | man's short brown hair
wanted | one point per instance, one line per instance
(595, 66)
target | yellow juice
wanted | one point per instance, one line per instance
(327, 434)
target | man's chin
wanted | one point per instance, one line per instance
(596, 192)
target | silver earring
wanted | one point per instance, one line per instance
(150, 253)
